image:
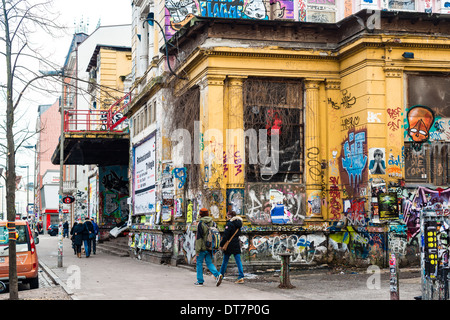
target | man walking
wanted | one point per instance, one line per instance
(87, 237)
(94, 240)
(201, 251)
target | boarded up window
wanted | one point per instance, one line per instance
(432, 91)
(275, 105)
(426, 149)
(416, 164)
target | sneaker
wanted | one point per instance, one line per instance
(219, 280)
(198, 284)
(240, 280)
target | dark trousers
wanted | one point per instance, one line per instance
(87, 247)
(94, 245)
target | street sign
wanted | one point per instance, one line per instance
(68, 199)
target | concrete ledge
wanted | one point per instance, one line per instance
(56, 280)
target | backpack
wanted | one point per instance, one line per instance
(212, 238)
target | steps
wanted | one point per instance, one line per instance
(115, 246)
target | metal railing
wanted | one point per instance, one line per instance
(111, 120)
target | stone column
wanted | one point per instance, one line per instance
(235, 151)
(394, 121)
(313, 169)
(213, 124)
(331, 173)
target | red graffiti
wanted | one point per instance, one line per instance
(394, 113)
(355, 213)
(335, 196)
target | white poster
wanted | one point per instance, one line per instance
(144, 176)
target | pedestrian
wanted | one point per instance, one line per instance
(202, 253)
(231, 235)
(66, 229)
(77, 237)
(87, 236)
(72, 238)
(94, 240)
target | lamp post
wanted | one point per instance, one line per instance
(28, 185)
(61, 165)
(35, 217)
(3, 200)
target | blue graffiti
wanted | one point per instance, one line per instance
(180, 174)
(355, 160)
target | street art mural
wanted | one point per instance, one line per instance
(151, 242)
(180, 12)
(304, 248)
(113, 192)
(280, 202)
(420, 120)
(235, 200)
(353, 160)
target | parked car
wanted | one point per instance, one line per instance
(27, 259)
(52, 229)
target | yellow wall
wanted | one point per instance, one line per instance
(113, 64)
(360, 90)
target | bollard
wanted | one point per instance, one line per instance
(393, 278)
(285, 282)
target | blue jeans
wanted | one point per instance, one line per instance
(237, 258)
(207, 255)
(87, 247)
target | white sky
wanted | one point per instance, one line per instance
(110, 12)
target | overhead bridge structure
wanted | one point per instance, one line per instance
(99, 137)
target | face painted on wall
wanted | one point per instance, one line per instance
(420, 119)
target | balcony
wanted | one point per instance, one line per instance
(98, 137)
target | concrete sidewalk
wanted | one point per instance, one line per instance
(107, 277)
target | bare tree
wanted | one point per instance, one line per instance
(19, 19)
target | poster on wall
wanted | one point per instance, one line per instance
(388, 206)
(377, 161)
(144, 174)
(92, 198)
(402, 5)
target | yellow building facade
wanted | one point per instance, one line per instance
(319, 135)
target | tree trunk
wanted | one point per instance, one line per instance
(10, 167)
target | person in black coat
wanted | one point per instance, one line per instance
(232, 231)
(88, 229)
(77, 237)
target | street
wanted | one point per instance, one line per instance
(107, 277)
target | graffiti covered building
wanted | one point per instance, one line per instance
(320, 135)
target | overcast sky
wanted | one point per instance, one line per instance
(109, 12)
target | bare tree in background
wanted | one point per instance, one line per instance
(19, 20)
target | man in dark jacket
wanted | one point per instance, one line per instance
(232, 231)
(89, 229)
(94, 240)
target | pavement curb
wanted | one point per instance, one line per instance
(57, 280)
